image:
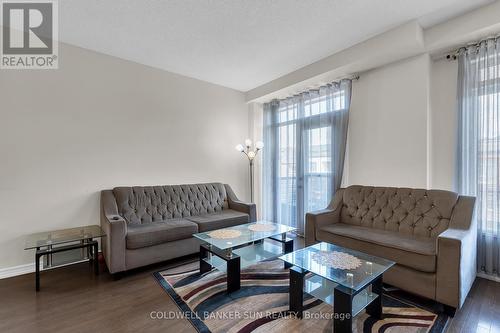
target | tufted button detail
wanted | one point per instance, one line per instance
(151, 204)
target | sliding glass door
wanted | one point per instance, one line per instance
(317, 168)
(305, 139)
(305, 179)
(287, 174)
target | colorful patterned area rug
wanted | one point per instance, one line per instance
(261, 305)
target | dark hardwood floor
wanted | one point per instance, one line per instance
(72, 299)
(481, 311)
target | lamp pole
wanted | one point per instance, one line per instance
(250, 153)
(251, 181)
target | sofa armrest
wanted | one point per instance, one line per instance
(115, 228)
(456, 255)
(248, 208)
(236, 204)
(317, 220)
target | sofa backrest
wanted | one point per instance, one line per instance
(417, 212)
(146, 204)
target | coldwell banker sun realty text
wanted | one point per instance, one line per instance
(29, 34)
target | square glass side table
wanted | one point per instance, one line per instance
(349, 280)
(51, 242)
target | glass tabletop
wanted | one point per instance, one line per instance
(230, 237)
(349, 268)
(56, 237)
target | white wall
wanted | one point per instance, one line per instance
(403, 123)
(444, 123)
(100, 122)
(388, 125)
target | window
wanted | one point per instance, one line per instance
(479, 144)
(488, 159)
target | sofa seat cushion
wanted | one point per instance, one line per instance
(222, 219)
(149, 234)
(416, 253)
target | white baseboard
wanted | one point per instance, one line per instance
(489, 277)
(16, 270)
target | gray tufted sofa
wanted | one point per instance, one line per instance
(430, 234)
(145, 225)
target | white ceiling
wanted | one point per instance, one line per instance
(238, 43)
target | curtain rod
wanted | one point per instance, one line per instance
(452, 55)
(354, 77)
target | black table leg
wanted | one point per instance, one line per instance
(342, 311)
(89, 245)
(89, 255)
(204, 266)
(37, 270)
(296, 293)
(96, 257)
(288, 248)
(233, 274)
(374, 309)
(232, 264)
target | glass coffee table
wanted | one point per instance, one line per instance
(349, 280)
(234, 248)
(80, 239)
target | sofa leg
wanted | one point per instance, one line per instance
(117, 276)
(449, 310)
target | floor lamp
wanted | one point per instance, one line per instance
(250, 154)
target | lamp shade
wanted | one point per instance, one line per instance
(240, 148)
(248, 142)
(259, 145)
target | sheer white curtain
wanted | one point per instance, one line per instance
(305, 138)
(479, 144)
